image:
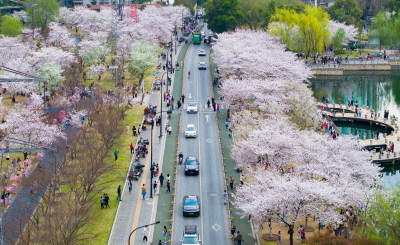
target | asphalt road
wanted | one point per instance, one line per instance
(213, 221)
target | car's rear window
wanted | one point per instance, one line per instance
(191, 202)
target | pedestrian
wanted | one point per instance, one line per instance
(101, 202)
(119, 193)
(169, 130)
(208, 103)
(303, 235)
(241, 179)
(299, 231)
(392, 147)
(165, 230)
(155, 187)
(214, 106)
(145, 234)
(132, 148)
(231, 180)
(159, 242)
(161, 179)
(239, 238)
(143, 191)
(218, 108)
(279, 237)
(139, 129)
(106, 199)
(225, 196)
(168, 186)
(116, 155)
(130, 186)
(233, 231)
(133, 130)
(183, 99)
(127, 129)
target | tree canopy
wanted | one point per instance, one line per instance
(44, 12)
(346, 11)
(222, 15)
(11, 26)
(307, 32)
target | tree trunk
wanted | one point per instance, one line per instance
(291, 234)
(270, 231)
(306, 221)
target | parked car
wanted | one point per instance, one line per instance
(191, 206)
(191, 235)
(191, 166)
(190, 131)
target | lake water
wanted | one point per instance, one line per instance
(380, 92)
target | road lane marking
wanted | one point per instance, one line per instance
(207, 116)
(209, 140)
(216, 227)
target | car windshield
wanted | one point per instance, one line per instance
(191, 202)
(191, 162)
(192, 104)
(190, 128)
(190, 240)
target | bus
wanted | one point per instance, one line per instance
(196, 37)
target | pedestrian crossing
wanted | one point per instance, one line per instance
(202, 107)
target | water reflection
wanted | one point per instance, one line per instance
(378, 92)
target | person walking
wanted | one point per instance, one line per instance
(116, 155)
(130, 186)
(132, 148)
(133, 130)
(303, 235)
(299, 231)
(119, 193)
(218, 108)
(165, 230)
(145, 234)
(183, 99)
(279, 237)
(225, 196)
(144, 191)
(161, 179)
(168, 186)
(231, 180)
(155, 187)
(208, 102)
(239, 238)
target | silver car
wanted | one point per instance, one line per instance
(191, 236)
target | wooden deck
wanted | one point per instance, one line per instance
(346, 113)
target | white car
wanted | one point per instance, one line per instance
(202, 33)
(202, 52)
(202, 66)
(190, 131)
(192, 107)
(191, 235)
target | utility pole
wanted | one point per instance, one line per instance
(316, 3)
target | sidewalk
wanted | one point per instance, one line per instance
(133, 211)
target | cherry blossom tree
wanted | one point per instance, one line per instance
(51, 72)
(242, 54)
(96, 71)
(52, 55)
(60, 37)
(350, 30)
(143, 59)
(93, 52)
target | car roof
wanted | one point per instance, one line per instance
(191, 158)
(202, 62)
(190, 125)
(190, 229)
(191, 103)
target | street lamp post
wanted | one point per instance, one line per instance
(129, 239)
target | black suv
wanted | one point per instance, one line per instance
(191, 206)
(191, 166)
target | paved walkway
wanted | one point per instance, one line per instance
(133, 211)
(344, 112)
